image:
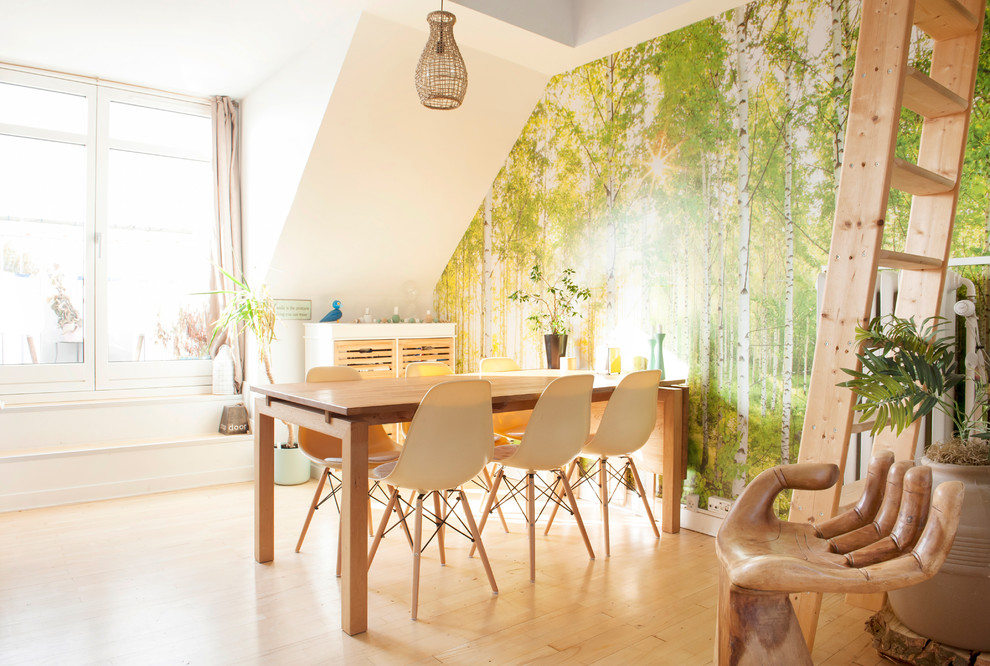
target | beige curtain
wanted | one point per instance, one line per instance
(227, 251)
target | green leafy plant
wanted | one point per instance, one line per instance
(907, 370)
(253, 310)
(556, 302)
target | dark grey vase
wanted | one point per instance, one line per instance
(556, 345)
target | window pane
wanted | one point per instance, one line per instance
(160, 224)
(42, 109)
(170, 129)
(42, 238)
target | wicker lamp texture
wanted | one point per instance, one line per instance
(441, 77)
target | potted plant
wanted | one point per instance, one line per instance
(907, 371)
(61, 304)
(556, 304)
(254, 310)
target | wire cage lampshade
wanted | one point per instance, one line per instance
(441, 77)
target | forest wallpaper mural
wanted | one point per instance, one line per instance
(689, 182)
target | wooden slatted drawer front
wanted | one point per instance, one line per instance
(425, 349)
(373, 358)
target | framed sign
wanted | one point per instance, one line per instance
(287, 309)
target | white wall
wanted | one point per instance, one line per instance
(390, 185)
(280, 120)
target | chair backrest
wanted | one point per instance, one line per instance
(498, 364)
(450, 437)
(630, 414)
(558, 426)
(318, 447)
(428, 369)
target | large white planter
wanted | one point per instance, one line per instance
(291, 467)
(953, 607)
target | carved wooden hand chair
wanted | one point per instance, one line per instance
(897, 535)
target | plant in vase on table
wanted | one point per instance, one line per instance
(556, 304)
(908, 372)
(254, 310)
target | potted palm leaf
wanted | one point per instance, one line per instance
(254, 310)
(556, 304)
(908, 370)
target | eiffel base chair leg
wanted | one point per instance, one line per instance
(560, 497)
(418, 537)
(501, 516)
(642, 493)
(603, 496)
(312, 508)
(417, 554)
(490, 500)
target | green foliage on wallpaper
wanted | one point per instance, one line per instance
(628, 171)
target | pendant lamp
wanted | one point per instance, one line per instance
(441, 78)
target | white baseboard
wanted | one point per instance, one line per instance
(700, 521)
(71, 476)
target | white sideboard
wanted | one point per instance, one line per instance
(379, 350)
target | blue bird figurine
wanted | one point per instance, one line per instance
(334, 314)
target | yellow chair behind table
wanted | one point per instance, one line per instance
(507, 425)
(326, 452)
(557, 430)
(449, 443)
(626, 425)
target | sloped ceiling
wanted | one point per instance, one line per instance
(389, 185)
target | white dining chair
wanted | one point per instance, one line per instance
(557, 429)
(448, 444)
(626, 425)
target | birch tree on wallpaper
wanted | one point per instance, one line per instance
(690, 182)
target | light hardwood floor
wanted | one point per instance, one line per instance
(171, 579)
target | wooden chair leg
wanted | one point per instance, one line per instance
(438, 509)
(393, 499)
(531, 523)
(603, 495)
(489, 501)
(560, 498)
(642, 493)
(417, 548)
(371, 524)
(402, 517)
(477, 540)
(577, 516)
(312, 507)
(501, 516)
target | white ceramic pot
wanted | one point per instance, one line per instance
(953, 607)
(291, 467)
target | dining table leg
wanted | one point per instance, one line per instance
(354, 531)
(264, 485)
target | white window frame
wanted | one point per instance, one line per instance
(96, 372)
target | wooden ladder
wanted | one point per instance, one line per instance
(883, 83)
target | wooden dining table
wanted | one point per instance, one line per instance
(346, 409)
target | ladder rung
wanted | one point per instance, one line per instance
(863, 426)
(850, 494)
(944, 19)
(929, 98)
(905, 261)
(913, 179)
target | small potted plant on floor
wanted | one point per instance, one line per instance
(254, 310)
(907, 371)
(556, 304)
